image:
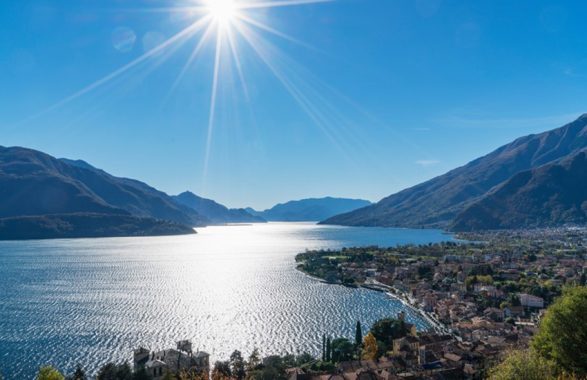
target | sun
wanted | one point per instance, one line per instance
(222, 11)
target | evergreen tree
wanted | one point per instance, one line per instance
(324, 347)
(328, 353)
(358, 335)
(113, 371)
(237, 365)
(221, 371)
(342, 350)
(254, 360)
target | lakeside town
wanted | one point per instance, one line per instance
(483, 296)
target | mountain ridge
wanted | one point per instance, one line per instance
(35, 184)
(553, 194)
(438, 201)
(214, 211)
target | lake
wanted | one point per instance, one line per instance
(91, 301)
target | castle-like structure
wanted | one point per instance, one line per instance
(159, 363)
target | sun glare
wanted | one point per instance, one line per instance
(223, 11)
(229, 26)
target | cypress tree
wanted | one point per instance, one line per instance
(328, 353)
(324, 347)
(358, 335)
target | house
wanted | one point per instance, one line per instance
(528, 300)
(494, 313)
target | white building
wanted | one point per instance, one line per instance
(528, 300)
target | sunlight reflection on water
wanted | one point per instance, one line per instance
(235, 287)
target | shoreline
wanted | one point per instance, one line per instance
(397, 294)
(409, 302)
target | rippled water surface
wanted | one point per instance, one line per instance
(90, 301)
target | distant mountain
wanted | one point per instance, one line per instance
(214, 211)
(437, 202)
(33, 183)
(313, 209)
(551, 195)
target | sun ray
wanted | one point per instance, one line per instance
(292, 89)
(193, 56)
(274, 31)
(237, 62)
(212, 113)
(281, 3)
(188, 31)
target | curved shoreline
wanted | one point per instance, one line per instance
(397, 294)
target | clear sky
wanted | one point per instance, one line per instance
(365, 98)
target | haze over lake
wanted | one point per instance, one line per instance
(235, 287)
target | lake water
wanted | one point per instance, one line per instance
(91, 301)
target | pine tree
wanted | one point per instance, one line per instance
(254, 360)
(358, 335)
(237, 365)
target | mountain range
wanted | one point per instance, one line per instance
(309, 210)
(45, 197)
(41, 196)
(535, 181)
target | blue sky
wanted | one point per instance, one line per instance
(387, 94)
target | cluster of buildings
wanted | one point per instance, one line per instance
(159, 363)
(482, 299)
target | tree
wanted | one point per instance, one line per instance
(304, 358)
(328, 350)
(142, 374)
(237, 365)
(221, 371)
(342, 350)
(562, 336)
(324, 347)
(192, 374)
(369, 347)
(522, 365)
(49, 373)
(79, 374)
(113, 371)
(388, 329)
(254, 360)
(168, 376)
(273, 368)
(358, 335)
